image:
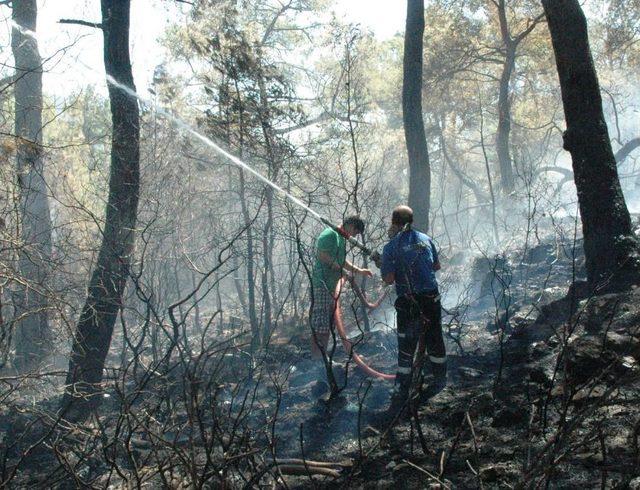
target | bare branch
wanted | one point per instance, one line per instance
(529, 28)
(622, 154)
(96, 25)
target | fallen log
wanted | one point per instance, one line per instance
(317, 464)
(302, 470)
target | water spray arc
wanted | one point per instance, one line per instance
(186, 127)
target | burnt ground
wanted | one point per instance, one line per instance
(536, 394)
(544, 389)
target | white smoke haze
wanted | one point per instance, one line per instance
(260, 122)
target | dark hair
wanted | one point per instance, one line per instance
(402, 215)
(354, 221)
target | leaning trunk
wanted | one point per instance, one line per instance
(95, 326)
(611, 248)
(32, 327)
(419, 170)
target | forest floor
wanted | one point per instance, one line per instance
(546, 394)
(543, 386)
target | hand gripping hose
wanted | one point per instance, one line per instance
(348, 346)
(361, 296)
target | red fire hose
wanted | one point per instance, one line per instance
(337, 319)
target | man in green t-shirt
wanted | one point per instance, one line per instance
(329, 267)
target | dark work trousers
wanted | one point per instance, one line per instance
(419, 315)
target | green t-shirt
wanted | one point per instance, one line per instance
(333, 244)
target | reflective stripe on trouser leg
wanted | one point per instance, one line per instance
(406, 348)
(437, 354)
(406, 341)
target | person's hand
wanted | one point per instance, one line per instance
(365, 272)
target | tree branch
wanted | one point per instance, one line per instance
(626, 150)
(96, 25)
(529, 28)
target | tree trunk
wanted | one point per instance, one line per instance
(504, 121)
(95, 326)
(267, 231)
(419, 170)
(237, 281)
(611, 248)
(504, 101)
(266, 268)
(251, 277)
(33, 333)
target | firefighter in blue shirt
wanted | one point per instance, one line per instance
(410, 260)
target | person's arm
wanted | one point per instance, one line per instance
(436, 259)
(389, 278)
(356, 270)
(331, 262)
(387, 266)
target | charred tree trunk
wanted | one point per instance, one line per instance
(33, 332)
(104, 296)
(504, 102)
(251, 276)
(250, 264)
(611, 248)
(416, 141)
(237, 281)
(510, 43)
(503, 135)
(267, 314)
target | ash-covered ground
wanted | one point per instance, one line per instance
(543, 386)
(543, 389)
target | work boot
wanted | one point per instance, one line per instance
(398, 401)
(439, 373)
(400, 393)
(438, 383)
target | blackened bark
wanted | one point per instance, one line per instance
(510, 44)
(503, 135)
(31, 307)
(267, 231)
(95, 326)
(251, 276)
(416, 141)
(611, 248)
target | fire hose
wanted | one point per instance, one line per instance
(337, 314)
(348, 346)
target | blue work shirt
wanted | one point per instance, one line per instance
(410, 255)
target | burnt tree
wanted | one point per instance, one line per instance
(611, 248)
(30, 299)
(104, 296)
(510, 43)
(416, 141)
